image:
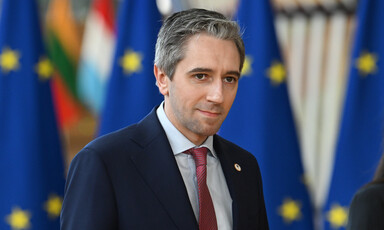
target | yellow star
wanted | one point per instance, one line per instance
(53, 206)
(290, 210)
(337, 216)
(44, 68)
(366, 63)
(131, 62)
(247, 67)
(276, 72)
(19, 219)
(9, 60)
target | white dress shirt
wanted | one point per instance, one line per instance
(216, 182)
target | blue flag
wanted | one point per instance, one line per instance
(360, 143)
(131, 91)
(261, 120)
(31, 164)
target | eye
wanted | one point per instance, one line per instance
(200, 76)
(230, 79)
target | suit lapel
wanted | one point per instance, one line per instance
(159, 169)
(227, 164)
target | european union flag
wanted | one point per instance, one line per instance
(261, 120)
(131, 91)
(360, 143)
(31, 167)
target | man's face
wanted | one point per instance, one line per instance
(203, 88)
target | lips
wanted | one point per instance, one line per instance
(210, 113)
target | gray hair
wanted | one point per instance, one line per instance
(179, 27)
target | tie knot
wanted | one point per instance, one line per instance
(199, 155)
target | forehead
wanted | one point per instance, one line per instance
(204, 49)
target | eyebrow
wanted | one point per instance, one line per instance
(199, 70)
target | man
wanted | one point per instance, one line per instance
(171, 170)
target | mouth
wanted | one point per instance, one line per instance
(212, 114)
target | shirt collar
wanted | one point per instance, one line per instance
(179, 143)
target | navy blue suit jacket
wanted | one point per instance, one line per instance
(129, 179)
(367, 208)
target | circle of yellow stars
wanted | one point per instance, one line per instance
(276, 73)
(366, 63)
(9, 60)
(337, 216)
(290, 210)
(20, 219)
(247, 66)
(131, 62)
(44, 68)
(53, 206)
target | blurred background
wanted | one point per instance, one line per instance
(309, 105)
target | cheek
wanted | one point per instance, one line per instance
(188, 95)
(230, 97)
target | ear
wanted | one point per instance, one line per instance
(162, 80)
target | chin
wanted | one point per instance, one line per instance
(209, 132)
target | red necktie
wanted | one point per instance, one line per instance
(207, 217)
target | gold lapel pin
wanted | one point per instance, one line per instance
(237, 167)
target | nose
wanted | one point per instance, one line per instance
(215, 92)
